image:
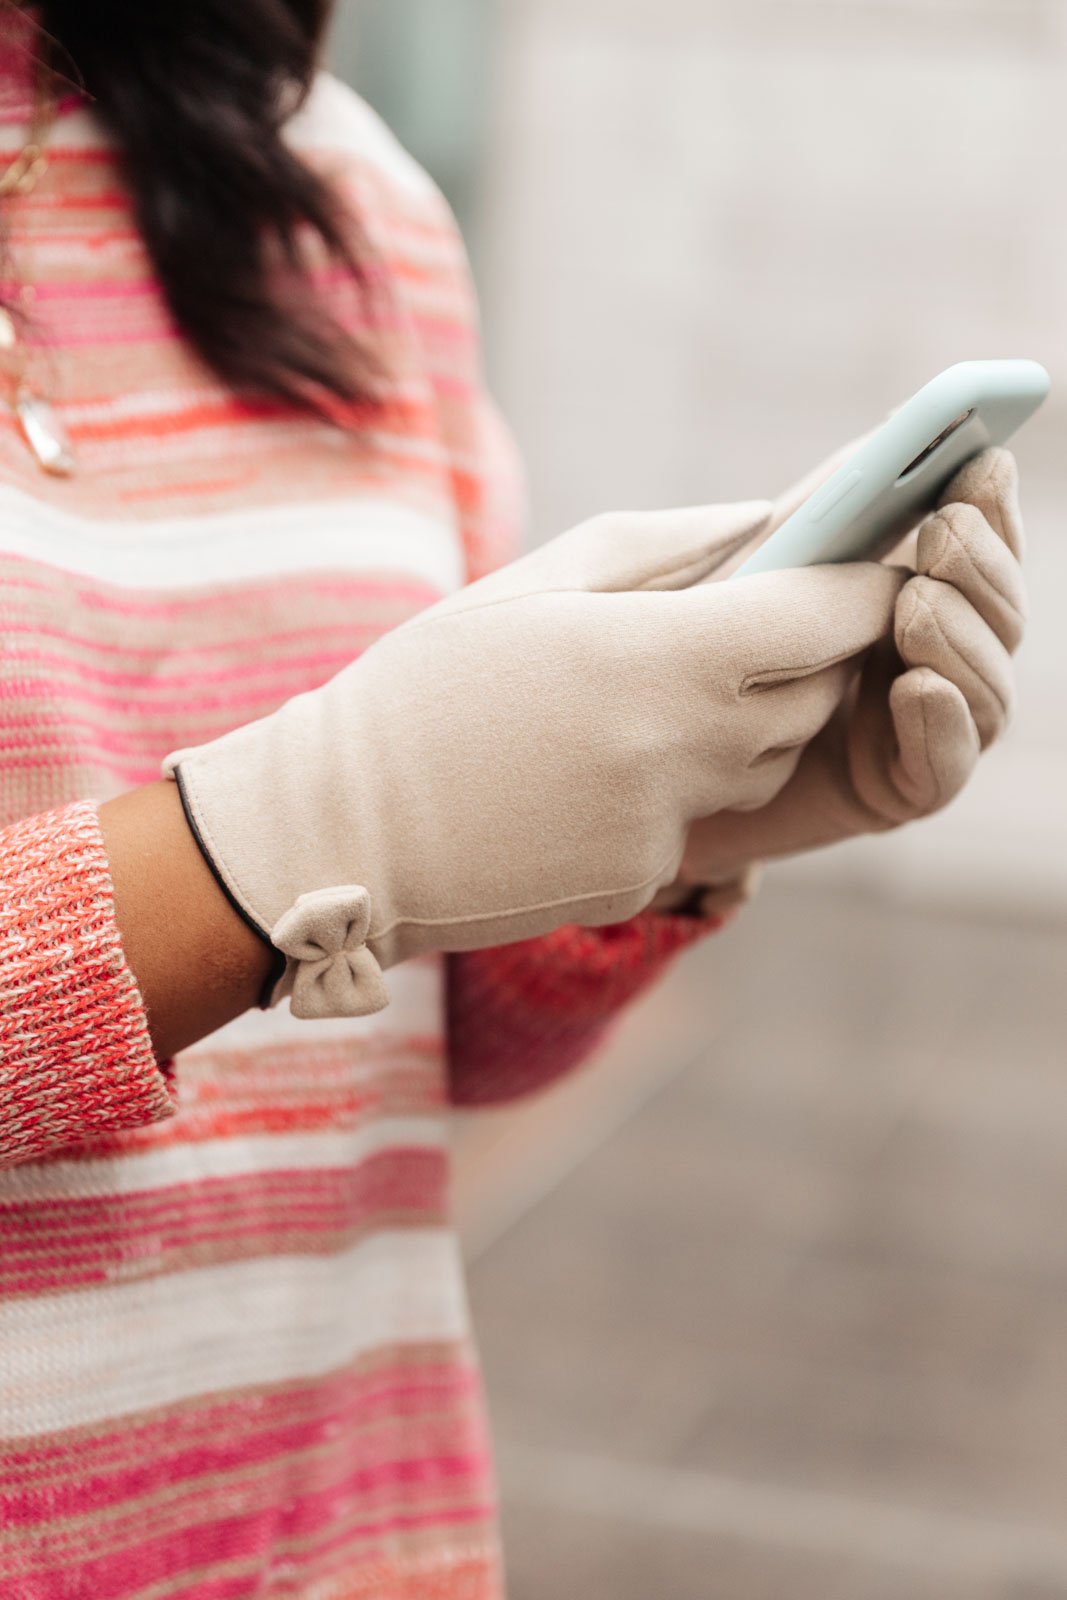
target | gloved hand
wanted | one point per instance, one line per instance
(907, 738)
(529, 752)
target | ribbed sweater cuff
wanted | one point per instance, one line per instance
(76, 1058)
(522, 1016)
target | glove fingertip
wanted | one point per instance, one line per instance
(990, 483)
(938, 743)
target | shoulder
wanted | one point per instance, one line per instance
(403, 212)
(334, 123)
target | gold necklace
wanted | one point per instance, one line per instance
(40, 426)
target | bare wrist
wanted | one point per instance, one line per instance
(196, 961)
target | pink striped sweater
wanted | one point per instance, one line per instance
(235, 1357)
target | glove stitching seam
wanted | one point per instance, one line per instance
(973, 561)
(955, 649)
(924, 693)
(655, 880)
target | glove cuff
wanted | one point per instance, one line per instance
(318, 948)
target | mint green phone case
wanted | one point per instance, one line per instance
(900, 473)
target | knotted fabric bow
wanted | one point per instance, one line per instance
(325, 934)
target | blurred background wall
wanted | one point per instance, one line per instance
(773, 1296)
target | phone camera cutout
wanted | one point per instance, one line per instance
(936, 444)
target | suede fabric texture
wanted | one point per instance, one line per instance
(907, 737)
(529, 752)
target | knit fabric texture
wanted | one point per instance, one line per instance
(235, 1351)
(524, 1015)
(75, 1058)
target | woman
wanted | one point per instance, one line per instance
(260, 742)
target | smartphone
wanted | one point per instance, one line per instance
(899, 474)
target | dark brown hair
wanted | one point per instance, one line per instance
(196, 93)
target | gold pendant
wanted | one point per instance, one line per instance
(45, 434)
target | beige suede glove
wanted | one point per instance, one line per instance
(908, 737)
(529, 752)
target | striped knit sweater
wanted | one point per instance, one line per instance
(235, 1357)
